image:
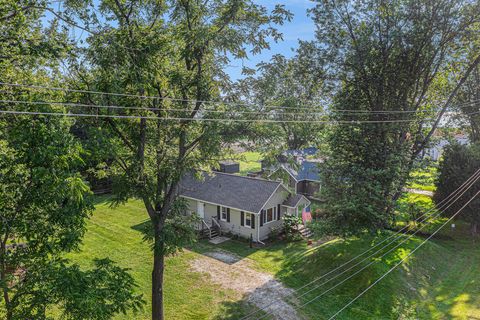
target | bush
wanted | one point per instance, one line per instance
(290, 227)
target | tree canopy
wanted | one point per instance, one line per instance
(389, 62)
(169, 58)
(44, 201)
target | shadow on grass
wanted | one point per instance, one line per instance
(104, 199)
(440, 281)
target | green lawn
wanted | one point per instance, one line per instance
(249, 161)
(441, 281)
(424, 179)
(112, 233)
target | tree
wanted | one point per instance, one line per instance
(174, 51)
(289, 89)
(44, 201)
(458, 164)
(467, 105)
(386, 57)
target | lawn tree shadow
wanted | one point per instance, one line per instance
(426, 286)
(144, 227)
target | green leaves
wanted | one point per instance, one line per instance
(98, 293)
(379, 67)
(458, 164)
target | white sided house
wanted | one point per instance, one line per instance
(244, 206)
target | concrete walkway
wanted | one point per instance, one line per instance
(218, 240)
(418, 191)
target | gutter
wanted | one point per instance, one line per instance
(258, 229)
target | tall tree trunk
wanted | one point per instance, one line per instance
(3, 277)
(157, 274)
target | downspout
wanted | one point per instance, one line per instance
(258, 229)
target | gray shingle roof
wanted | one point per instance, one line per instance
(292, 200)
(244, 193)
(308, 170)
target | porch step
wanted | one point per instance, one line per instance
(206, 233)
(305, 232)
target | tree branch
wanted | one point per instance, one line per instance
(420, 146)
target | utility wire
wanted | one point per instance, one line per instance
(85, 115)
(313, 104)
(405, 258)
(116, 94)
(467, 184)
(357, 272)
(266, 112)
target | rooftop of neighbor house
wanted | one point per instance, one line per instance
(230, 190)
(307, 170)
(293, 200)
(310, 151)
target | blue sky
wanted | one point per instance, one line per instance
(301, 27)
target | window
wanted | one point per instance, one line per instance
(248, 219)
(223, 215)
(270, 215)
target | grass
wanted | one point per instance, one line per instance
(424, 179)
(112, 233)
(249, 162)
(440, 281)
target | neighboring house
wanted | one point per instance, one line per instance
(298, 169)
(303, 180)
(436, 150)
(245, 206)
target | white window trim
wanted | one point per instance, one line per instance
(245, 220)
(221, 213)
(274, 215)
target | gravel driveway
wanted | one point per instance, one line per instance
(261, 289)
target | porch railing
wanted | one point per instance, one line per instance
(216, 224)
(207, 227)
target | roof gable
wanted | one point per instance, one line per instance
(243, 193)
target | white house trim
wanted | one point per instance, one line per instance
(218, 204)
(308, 202)
(284, 169)
(275, 191)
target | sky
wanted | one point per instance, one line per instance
(301, 27)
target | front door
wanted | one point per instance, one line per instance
(200, 210)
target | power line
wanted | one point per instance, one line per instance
(313, 104)
(467, 184)
(357, 272)
(74, 104)
(142, 108)
(85, 115)
(470, 184)
(404, 258)
(116, 94)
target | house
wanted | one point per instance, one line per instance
(298, 169)
(245, 206)
(305, 179)
(435, 151)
